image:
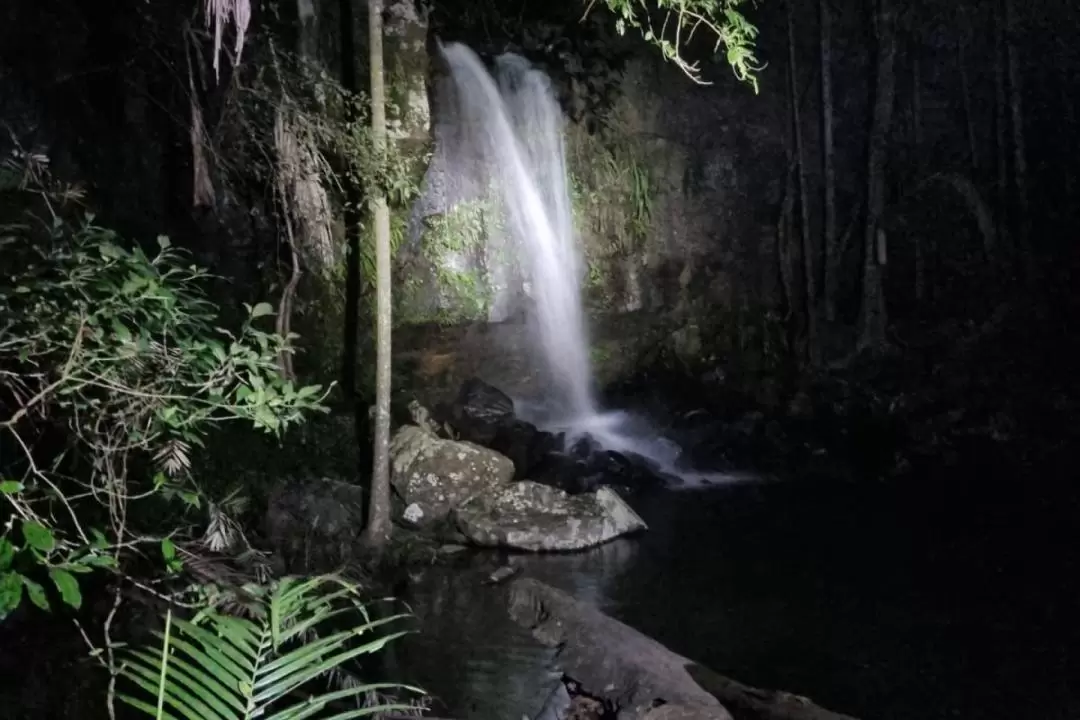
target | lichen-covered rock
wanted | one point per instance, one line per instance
(437, 475)
(530, 516)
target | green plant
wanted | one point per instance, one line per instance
(115, 367)
(612, 187)
(220, 666)
(721, 20)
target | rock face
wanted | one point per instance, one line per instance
(434, 476)
(313, 525)
(611, 660)
(637, 675)
(529, 516)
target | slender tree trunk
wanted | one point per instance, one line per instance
(1022, 236)
(785, 256)
(969, 114)
(1001, 146)
(353, 201)
(809, 264)
(829, 236)
(283, 324)
(378, 528)
(874, 318)
(1068, 140)
(917, 153)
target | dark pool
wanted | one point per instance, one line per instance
(933, 599)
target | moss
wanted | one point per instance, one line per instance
(612, 192)
(439, 289)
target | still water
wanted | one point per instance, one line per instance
(930, 600)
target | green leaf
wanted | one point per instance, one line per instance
(190, 498)
(308, 391)
(168, 549)
(68, 586)
(10, 592)
(10, 487)
(36, 593)
(7, 553)
(101, 561)
(121, 332)
(100, 542)
(263, 308)
(38, 536)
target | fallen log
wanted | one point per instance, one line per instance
(643, 678)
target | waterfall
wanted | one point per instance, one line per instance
(509, 128)
(514, 124)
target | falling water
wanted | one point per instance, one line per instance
(514, 127)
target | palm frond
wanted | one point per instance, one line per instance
(221, 667)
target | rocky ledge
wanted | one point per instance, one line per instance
(629, 676)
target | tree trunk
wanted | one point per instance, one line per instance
(784, 227)
(830, 239)
(1068, 141)
(1001, 146)
(353, 202)
(969, 113)
(917, 153)
(874, 318)
(378, 528)
(1021, 235)
(809, 264)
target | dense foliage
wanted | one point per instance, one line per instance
(114, 370)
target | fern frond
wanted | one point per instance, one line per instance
(220, 667)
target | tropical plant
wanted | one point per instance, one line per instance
(220, 666)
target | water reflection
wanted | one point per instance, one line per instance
(469, 654)
(878, 602)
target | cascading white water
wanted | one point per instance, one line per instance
(513, 128)
(516, 127)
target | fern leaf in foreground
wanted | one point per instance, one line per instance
(221, 667)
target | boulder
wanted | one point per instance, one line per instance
(479, 410)
(433, 476)
(525, 444)
(529, 516)
(313, 525)
(574, 473)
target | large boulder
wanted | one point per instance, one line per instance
(433, 476)
(313, 525)
(479, 410)
(530, 516)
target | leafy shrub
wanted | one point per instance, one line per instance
(114, 370)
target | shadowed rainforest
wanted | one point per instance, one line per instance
(688, 359)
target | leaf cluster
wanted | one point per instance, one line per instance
(113, 368)
(721, 21)
(220, 666)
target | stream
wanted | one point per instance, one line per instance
(942, 598)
